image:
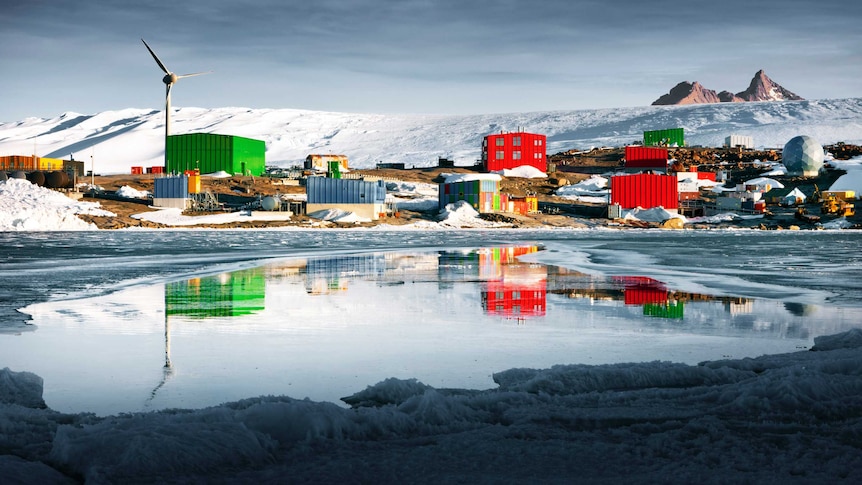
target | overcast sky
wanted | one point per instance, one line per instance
(416, 56)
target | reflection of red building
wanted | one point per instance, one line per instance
(512, 288)
(641, 290)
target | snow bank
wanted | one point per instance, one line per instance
(765, 183)
(593, 190)
(28, 207)
(777, 170)
(840, 223)
(852, 180)
(415, 196)
(524, 171)
(175, 217)
(656, 214)
(221, 174)
(338, 215)
(21, 388)
(775, 418)
(131, 193)
(462, 215)
(467, 177)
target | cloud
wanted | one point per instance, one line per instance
(580, 50)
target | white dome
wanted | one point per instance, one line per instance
(802, 155)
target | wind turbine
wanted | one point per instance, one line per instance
(169, 80)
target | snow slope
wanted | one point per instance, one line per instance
(790, 418)
(28, 207)
(114, 141)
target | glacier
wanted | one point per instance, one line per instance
(111, 142)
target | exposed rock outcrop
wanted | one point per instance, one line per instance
(728, 97)
(688, 93)
(761, 88)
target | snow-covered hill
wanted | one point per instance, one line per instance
(117, 140)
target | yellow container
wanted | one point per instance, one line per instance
(194, 183)
(839, 194)
(50, 164)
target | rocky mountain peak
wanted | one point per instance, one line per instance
(761, 88)
(688, 93)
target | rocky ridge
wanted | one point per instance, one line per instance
(761, 88)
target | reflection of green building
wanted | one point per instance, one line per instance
(664, 310)
(225, 295)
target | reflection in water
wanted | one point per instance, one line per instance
(653, 295)
(325, 276)
(319, 327)
(800, 309)
(511, 288)
(508, 287)
(231, 294)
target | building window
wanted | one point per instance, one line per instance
(501, 154)
(500, 141)
(516, 155)
(516, 140)
(516, 295)
(538, 142)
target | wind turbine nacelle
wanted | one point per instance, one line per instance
(169, 78)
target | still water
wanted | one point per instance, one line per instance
(132, 321)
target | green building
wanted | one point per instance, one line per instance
(671, 137)
(210, 153)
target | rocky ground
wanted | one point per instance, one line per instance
(567, 168)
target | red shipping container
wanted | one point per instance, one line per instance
(646, 157)
(645, 191)
(706, 176)
(156, 169)
(137, 170)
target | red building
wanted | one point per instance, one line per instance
(510, 150)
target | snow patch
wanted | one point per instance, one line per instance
(131, 193)
(28, 207)
(524, 171)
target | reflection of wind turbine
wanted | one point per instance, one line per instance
(168, 369)
(169, 80)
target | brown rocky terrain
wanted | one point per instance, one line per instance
(688, 93)
(567, 168)
(239, 189)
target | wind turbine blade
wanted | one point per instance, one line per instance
(158, 61)
(193, 74)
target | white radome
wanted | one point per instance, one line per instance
(802, 155)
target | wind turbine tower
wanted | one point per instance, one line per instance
(169, 80)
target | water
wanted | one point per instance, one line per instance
(130, 321)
